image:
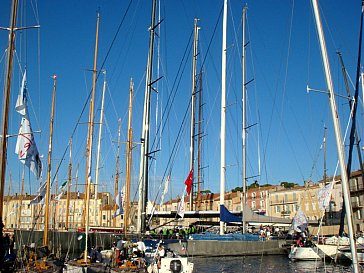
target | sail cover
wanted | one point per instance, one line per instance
(227, 217)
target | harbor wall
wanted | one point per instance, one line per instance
(64, 242)
(211, 248)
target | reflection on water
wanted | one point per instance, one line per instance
(253, 264)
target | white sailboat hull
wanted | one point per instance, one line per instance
(303, 254)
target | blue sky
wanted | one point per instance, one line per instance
(283, 57)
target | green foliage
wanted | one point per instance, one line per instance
(288, 185)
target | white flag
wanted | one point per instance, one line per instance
(39, 199)
(26, 148)
(120, 202)
(324, 196)
(63, 190)
(181, 207)
(300, 221)
(25, 145)
(21, 102)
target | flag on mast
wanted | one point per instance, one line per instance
(188, 182)
(63, 190)
(324, 196)
(25, 145)
(300, 221)
(39, 199)
(120, 202)
(181, 207)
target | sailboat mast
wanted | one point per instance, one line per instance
(199, 143)
(129, 158)
(5, 117)
(69, 186)
(21, 196)
(116, 185)
(223, 115)
(193, 106)
(99, 148)
(49, 165)
(325, 175)
(339, 141)
(143, 187)
(244, 116)
(89, 141)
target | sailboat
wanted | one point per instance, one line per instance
(339, 141)
(232, 244)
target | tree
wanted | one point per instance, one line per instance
(288, 185)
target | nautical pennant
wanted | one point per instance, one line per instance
(324, 196)
(188, 182)
(25, 145)
(181, 207)
(39, 199)
(120, 202)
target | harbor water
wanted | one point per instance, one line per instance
(255, 264)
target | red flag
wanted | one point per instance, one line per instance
(188, 182)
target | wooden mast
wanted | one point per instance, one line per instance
(339, 141)
(5, 117)
(89, 142)
(21, 196)
(69, 186)
(129, 158)
(49, 161)
(116, 185)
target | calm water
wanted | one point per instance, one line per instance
(253, 264)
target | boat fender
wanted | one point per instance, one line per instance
(175, 266)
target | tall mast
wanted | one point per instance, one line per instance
(199, 143)
(69, 187)
(354, 136)
(325, 175)
(116, 184)
(244, 116)
(223, 115)
(99, 147)
(339, 141)
(89, 141)
(129, 158)
(5, 117)
(21, 196)
(143, 176)
(193, 106)
(49, 165)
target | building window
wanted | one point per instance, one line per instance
(276, 197)
(294, 196)
(262, 204)
(261, 194)
(253, 205)
(254, 195)
(285, 197)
